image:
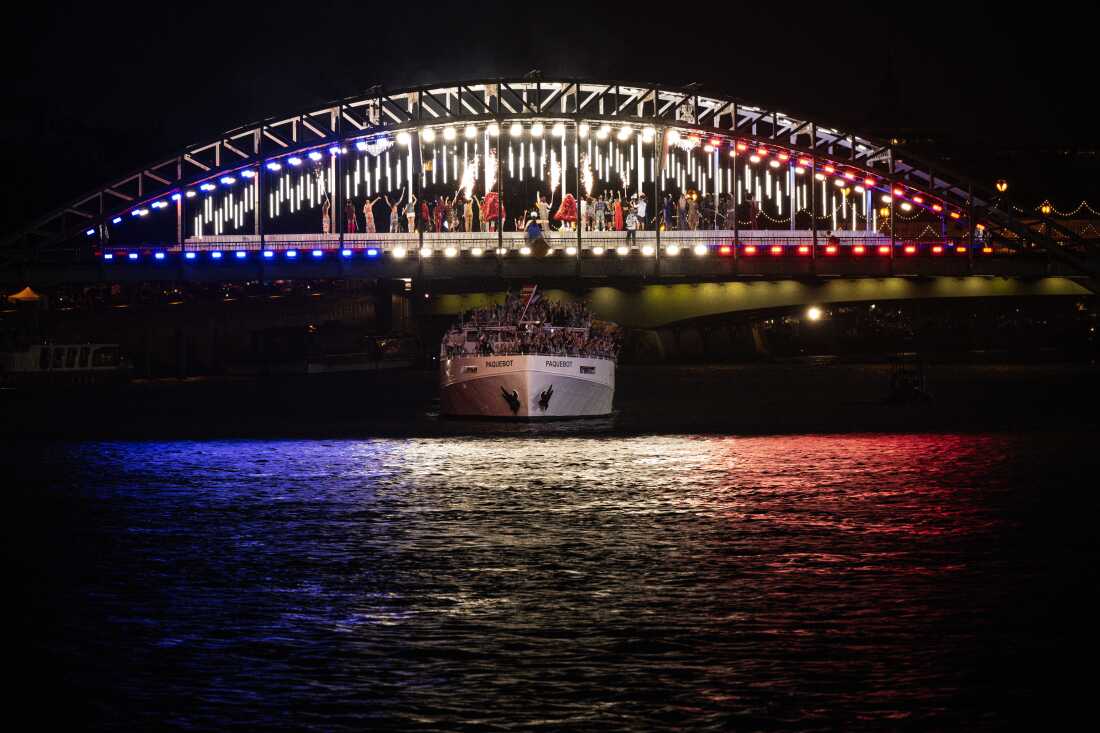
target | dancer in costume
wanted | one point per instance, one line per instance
(543, 208)
(619, 224)
(567, 212)
(352, 219)
(368, 214)
(326, 211)
(395, 216)
(468, 213)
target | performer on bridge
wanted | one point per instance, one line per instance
(326, 215)
(349, 214)
(619, 224)
(468, 213)
(410, 212)
(368, 214)
(395, 216)
(543, 208)
(567, 212)
(491, 210)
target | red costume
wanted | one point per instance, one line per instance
(568, 209)
(491, 209)
(618, 215)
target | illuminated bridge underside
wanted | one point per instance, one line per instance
(653, 306)
(268, 179)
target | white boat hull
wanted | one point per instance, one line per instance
(526, 387)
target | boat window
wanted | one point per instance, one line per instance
(70, 357)
(84, 352)
(588, 370)
(469, 370)
(58, 357)
(105, 357)
(44, 358)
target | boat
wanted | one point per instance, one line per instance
(528, 359)
(63, 364)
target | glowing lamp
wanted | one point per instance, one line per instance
(515, 130)
(672, 250)
(132, 255)
(700, 249)
(372, 252)
(189, 256)
(858, 249)
(471, 132)
(884, 249)
(1045, 208)
(784, 157)
(647, 251)
(317, 253)
(399, 253)
(345, 253)
(937, 208)
(228, 180)
(450, 252)
(955, 215)
(624, 134)
(937, 249)
(571, 251)
(829, 169)
(754, 158)
(159, 256)
(869, 182)
(268, 254)
(725, 249)
(918, 199)
(108, 256)
(426, 252)
(493, 129)
(476, 251)
(750, 249)
(558, 130)
(804, 162)
(813, 313)
(291, 254)
(597, 251)
(215, 255)
(582, 130)
(449, 133)
(404, 138)
(241, 255)
(960, 250)
(803, 249)
(987, 250)
(622, 251)
(762, 152)
(910, 249)
(89, 232)
(296, 161)
(1002, 185)
(898, 192)
(742, 147)
(314, 155)
(776, 249)
(830, 249)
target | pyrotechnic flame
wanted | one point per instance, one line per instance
(490, 170)
(586, 175)
(555, 174)
(626, 179)
(469, 176)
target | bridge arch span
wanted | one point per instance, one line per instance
(266, 184)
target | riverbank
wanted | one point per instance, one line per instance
(737, 399)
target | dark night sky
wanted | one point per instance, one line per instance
(96, 90)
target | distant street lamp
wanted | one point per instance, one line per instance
(813, 313)
(1045, 208)
(1002, 185)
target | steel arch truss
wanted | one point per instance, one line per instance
(688, 110)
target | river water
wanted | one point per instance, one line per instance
(556, 578)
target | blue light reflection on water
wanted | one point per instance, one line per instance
(566, 581)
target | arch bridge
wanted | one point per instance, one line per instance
(427, 182)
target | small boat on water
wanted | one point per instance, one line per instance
(63, 364)
(528, 358)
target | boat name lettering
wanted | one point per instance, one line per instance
(551, 363)
(504, 363)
